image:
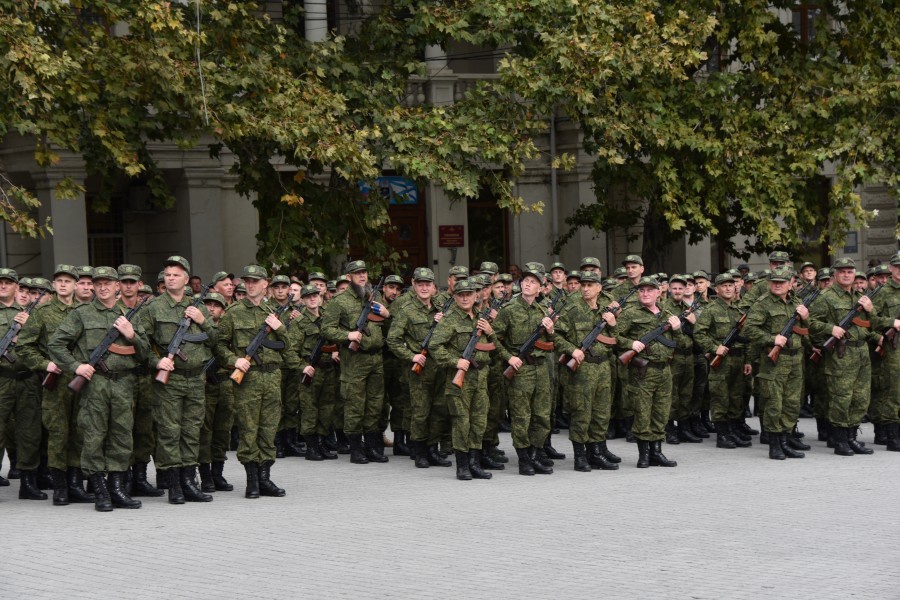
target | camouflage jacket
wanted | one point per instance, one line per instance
(34, 337)
(238, 327)
(160, 319)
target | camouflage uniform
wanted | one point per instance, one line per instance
(886, 411)
(682, 367)
(316, 400)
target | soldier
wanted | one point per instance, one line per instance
(222, 284)
(287, 442)
(396, 383)
(257, 400)
(529, 391)
(699, 408)
(847, 369)
(886, 407)
(84, 288)
(650, 385)
(823, 278)
(573, 282)
(726, 383)
(215, 432)
(362, 370)
(588, 392)
(106, 415)
(240, 292)
(680, 427)
(631, 272)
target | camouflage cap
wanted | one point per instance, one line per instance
(178, 261)
(489, 267)
(619, 273)
(779, 256)
(866, 275)
(481, 281)
(308, 290)
(743, 267)
(609, 284)
(129, 273)
(394, 279)
(106, 273)
(316, 276)
(330, 285)
(724, 278)
(85, 271)
(573, 275)
(895, 260)
(459, 271)
(662, 277)
(689, 278)
(701, 274)
(516, 289)
(647, 282)
(557, 265)
(504, 277)
(536, 273)
(535, 266)
(341, 279)
(590, 261)
(881, 270)
(780, 274)
(466, 286)
(42, 284)
(240, 288)
(25, 282)
(280, 280)
(215, 297)
(423, 274)
(62, 269)
(751, 276)
(160, 277)
(843, 263)
(355, 266)
(255, 272)
(590, 277)
(145, 289)
(807, 264)
(678, 277)
(220, 276)
(733, 272)
(634, 259)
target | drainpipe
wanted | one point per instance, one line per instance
(554, 193)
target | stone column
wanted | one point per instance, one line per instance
(68, 218)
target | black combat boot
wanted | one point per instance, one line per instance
(102, 501)
(43, 479)
(162, 479)
(612, 432)
(893, 437)
(497, 455)
(192, 492)
(487, 461)
(797, 433)
(222, 485)
(139, 484)
(597, 458)
(28, 487)
(435, 459)
(643, 454)
(357, 454)
(607, 454)
(687, 429)
(420, 454)
(176, 494)
(737, 433)
(657, 458)
(14, 471)
(881, 434)
(375, 447)
(206, 482)
(252, 490)
(4, 482)
(128, 481)
(539, 461)
(824, 430)
(117, 494)
(789, 450)
(401, 445)
(551, 452)
(475, 466)
(60, 488)
(323, 449)
(292, 446)
(526, 467)
(266, 486)
(312, 448)
(855, 445)
(839, 441)
(723, 437)
(672, 433)
(343, 441)
(330, 441)
(77, 495)
(746, 428)
(775, 450)
(629, 425)
(279, 444)
(796, 443)
(581, 459)
(707, 424)
(462, 466)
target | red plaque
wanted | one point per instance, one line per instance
(451, 236)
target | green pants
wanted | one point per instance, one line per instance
(589, 402)
(362, 387)
(726, 389)
(849, 381)
(144, 426)
(682, 367)
(468, 410)
(887, 409)
(257, 411)
(59, 414)
(396, 394)
(290, 399)
(497, 403)
(780, 385)
(651, 397)
(179, 408)
(21, 399)
(428, 406)
(622, 404)
(317, 403)
(529, 406)
(700, 396)
(106, 418)
(215, 434)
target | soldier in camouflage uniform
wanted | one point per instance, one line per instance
(726, 383)
(589, 388)
(106, 416)
(886, 414)
(257, 399)
(846, 368)
(287, 441)
(680, 426)
(468, 404)
(650, 385)
(699, 409)
(396, 382)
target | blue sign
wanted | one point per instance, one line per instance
(396, 190)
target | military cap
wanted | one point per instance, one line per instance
(861, 275)
(106, 273)
(843, 263)
(179, 261)
(341, 279)
(743, 267)
(25, 282)
(590, 277)
(573, 275)
(85, 271)
(779, 256)
(41, 284)
(724, 278)
(881, 269)
(215, 297)
(701, 274)
(633, 258)
(516, 289)
(464, 286)
(733, 272)
(395, 279)
(689, 277)
(240, 288)
(356, 265)
(590, 261)
(535, 266)
(220, 276)
(609, 284)
(145, 289)
(532, 272)
(489, 267)
(557, 265)
(895, 260)
(459, 271)
(504, 278)
(160, 277)
(647, 282)
(282, 279)
(807, 264)
(481, 281)
(129, 273)
(330, 285)
(308, 290)
(69, 270)
(423, 274)
(780, 274)
(662, 277)
(751, 276)
(255, 272)
(619, 272)
(317, 276)
(678, 277)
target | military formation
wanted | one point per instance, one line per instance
(100, 374)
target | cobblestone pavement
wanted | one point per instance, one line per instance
(723, 524)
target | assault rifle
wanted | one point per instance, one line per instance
(656, 336)
(734, 336)
(890, 338)
(535, 341)
(417, 368)
(791, 325)
(851, 318)
(181, 337)
(472, 346)
(260, 341)
(365, 315)
(98, 355)
(596, 334)
(7, 342)
(316, 355)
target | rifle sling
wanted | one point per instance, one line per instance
(545, 346)
(121, 350)
(604, 339)
(330, 349)
(485, 347)
(272, 344)
(375, 318)
(800, 330)
(861, 323)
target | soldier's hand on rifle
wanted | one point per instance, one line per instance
(721, 350)
(242, 364)
(493, 314)
(294, 314)
(803, 312)
(53, 368)
(195, 314)
(691, 318)
(380, 310)
(485, 326)
(515, 362)
(837, 333)
(462, 365)
(638, 346)
(748, 369)
(355, 336)
(125, 328)
(420, 359)
(780, 341)
(547, 324)
(165, 364)
(273, 322)
(866, 303)
(578, 355)
(675, 322)
(614, 305)
(21, 317)
(309, 371)
(438, 317)
(85, 370)
(610, 318)
(897, 324)
(335, 357)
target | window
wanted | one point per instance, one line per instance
(806, 18)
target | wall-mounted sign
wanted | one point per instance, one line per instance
(451, 236)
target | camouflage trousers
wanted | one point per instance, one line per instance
(59, 414)
(179, 408)
(886, 405)
(700, 395)
(290, 399)
(726, 389)
(651, 397)
(107, 418)
(497, 403)
(622, 404)
(215, 433)
(849, 381)
(257, 412)
(468, 410)
(780, 386)
(589, 401)
(362, 388)
(429, 416)
(396, 395)
(682, 367)
(144, 426)
(529, 406)
(20, 402)
(317, 404)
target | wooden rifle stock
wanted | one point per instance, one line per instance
(162, 375)
(510, 372)
(50, 381)
(459, 378)
(774, 353)
(77, 384)
(237, 375)
(417, 368)
(627, 356)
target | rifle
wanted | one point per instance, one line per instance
(181, 337)
(596, 334)
(7, 343)
(734, 336)
(851, 318)
(98, 355)
(657, 335)
(472, 346)
(259, 341)
(534, 341)
(417, 368)
(209, 370)
(365, 315)
(791, 326)
(315, 356)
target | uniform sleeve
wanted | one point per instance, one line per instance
(63, 339)
(27, 348)
(820, 320)
(442, 352)
(224, 355)
(565, 339)
(755, 327)
(141, 343)
(623, 324)
(395, 339)
(331, 323)
(501, 327)
(703, 332)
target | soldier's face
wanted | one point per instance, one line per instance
(424, 289)
(634, 271)
(342, 286)
(21, 295)
(33, 294)
(106, 290)
(689, 289)
(215, 309)
(647, 295)
(360, 278)
(465, 300)
(592, 269)
(881, 279)
(589, 291)
(845, 276)
(175, 278)
(725, 291)
(225, 287)
(322, 286)
(676, 290)
(530, 286)
(779, 288)
(507, 287)
(895, 273)
(391, 291)
(295, 292)
(558, 277)
(808, 273)
(280, 291)
(129, 288)
(497, 289)
(313, 301)
(256, 288)
(8, 290)
(702, 285)
(64, 286)
(860, 285)
(824, 284)
(573, 285)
